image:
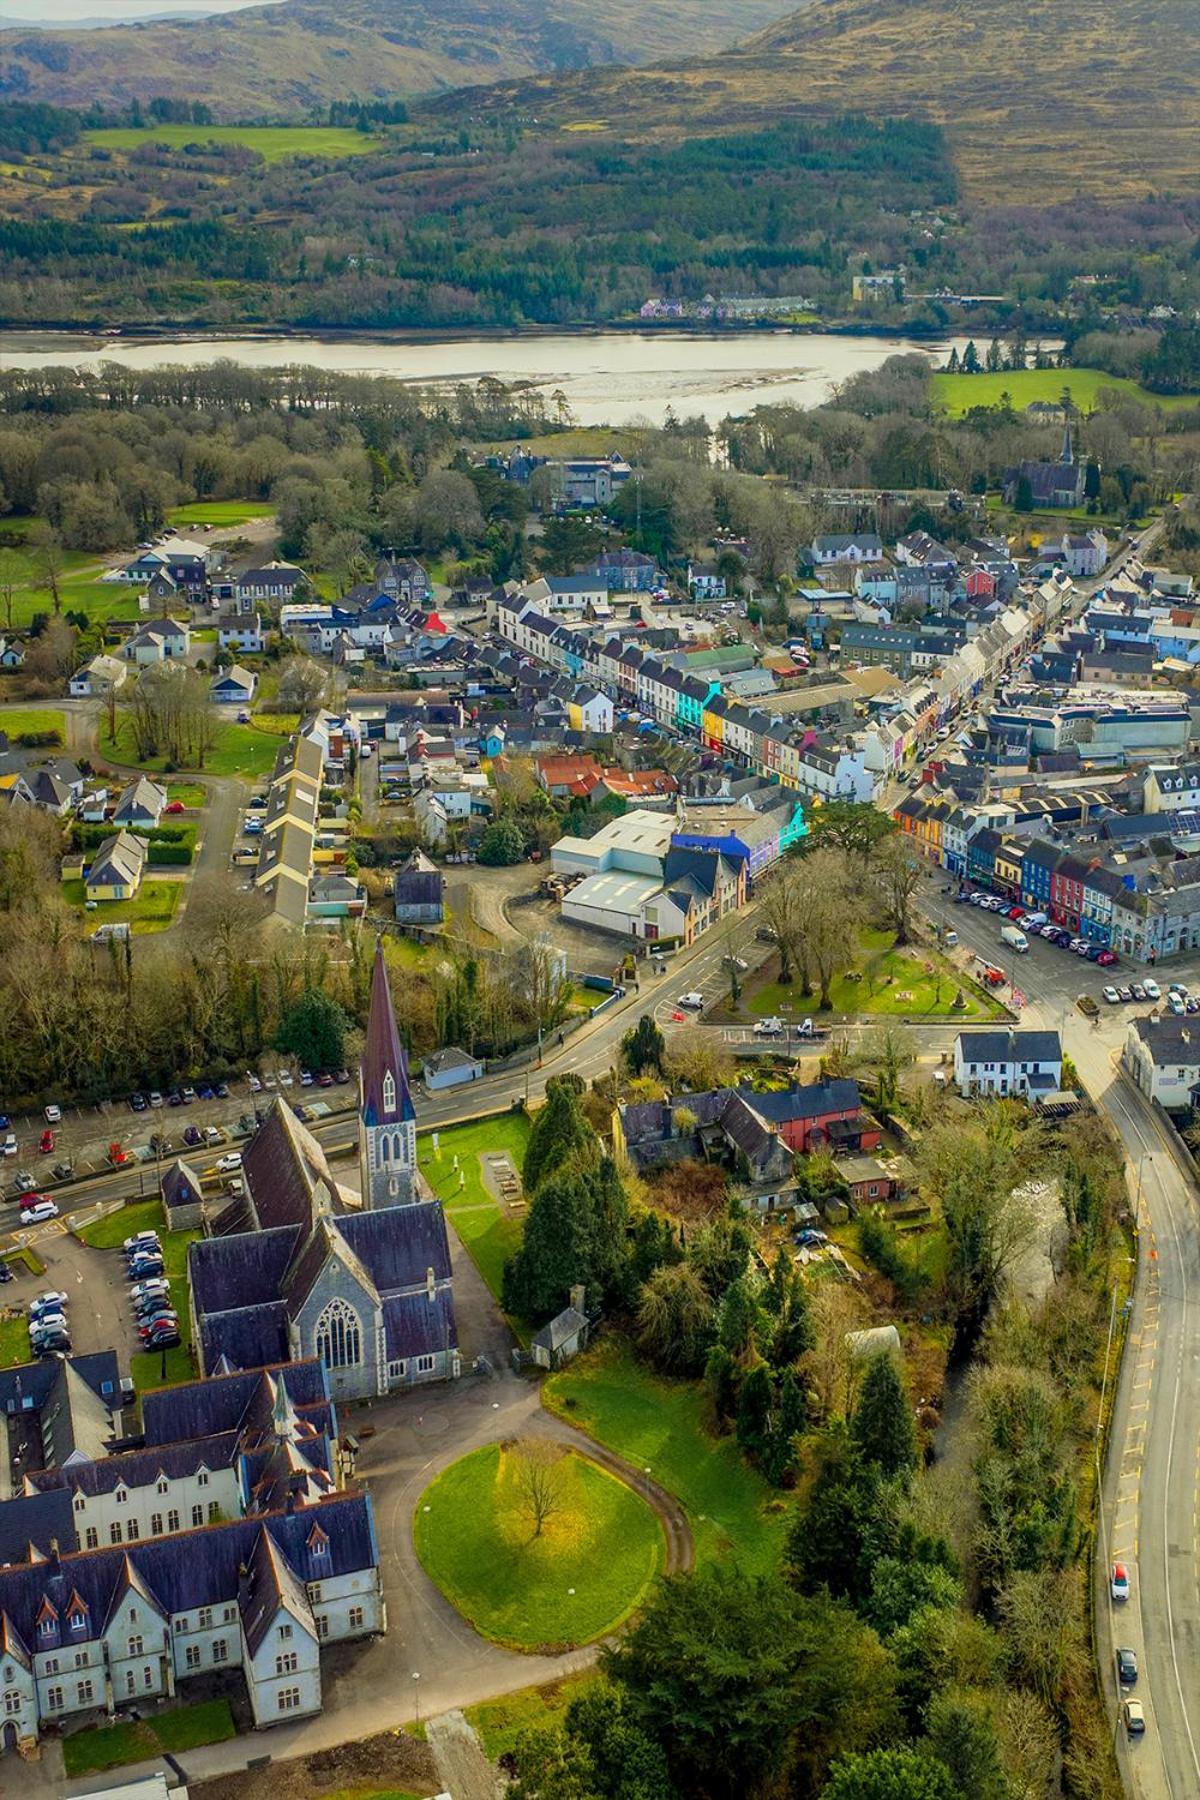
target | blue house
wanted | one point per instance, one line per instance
(1037, 868)
(981, 857)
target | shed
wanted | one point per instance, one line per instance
(449, 1068)
(564, 1337)
(878, 1340)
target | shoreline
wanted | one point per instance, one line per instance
(178, 333)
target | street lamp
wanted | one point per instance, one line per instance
(417, 1693)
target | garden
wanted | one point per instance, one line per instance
(152, 908)
(887, 978)
(536, 1546)
(480, 1216)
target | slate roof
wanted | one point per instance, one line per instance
(564, 1327)
(286, 1171)
(1010, 1046)
(399, 1243)
(1170, 1041)
(811, 1101)
(247, 1339)
(74, 1419)
(414, 1325)
(139, 1468)
(34, 1381)
(229, 1402)
(383, 1054)
(229, 1273)
(38, 1520)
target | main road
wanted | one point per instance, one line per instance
(1150, 1492)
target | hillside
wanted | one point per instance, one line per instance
(288, 60)
(1041, 102)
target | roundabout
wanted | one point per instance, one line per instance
(537, 1546)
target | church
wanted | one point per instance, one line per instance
(297, 1270)
(1060, 484)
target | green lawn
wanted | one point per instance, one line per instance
(184, 1728)
(188, 793)
(274, 143)
(40, 719)
(500, 1722)
(239, 750)
(957, 394)
(911, 992)
(593, 1564)
(221, 514)
(488, 1229)
(14, 1341)
(146, 1366)
(660, 1425)
(152, 908)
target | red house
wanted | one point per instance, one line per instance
(1066, 892)
(808, 1118)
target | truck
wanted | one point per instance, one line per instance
(1015, 938)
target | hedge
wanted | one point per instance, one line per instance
(162, 854)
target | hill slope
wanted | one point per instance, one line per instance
(285, 60)
(1041, 101)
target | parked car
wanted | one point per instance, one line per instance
(62, 1171)
(166, 1340)
(1112, 996)
(1125, 994)
(306, 1078)
(156, 1098)
(1107, 958)
(175, 806)
(53, 1115)
(1152, 989)
(52, 1319)
(157, 1284)
(49, 1297)
(1119, 1583)
(192, 1134)
(230, 1163)
(38, 1214)
(1176, 1006)
(342, 1076)
(768, 1027)
(692, 999)
(189, 1094)
(213, 1134)
(26, 1179)
(1127, 1667)
(6, 1273)
(46, 1142)
(9, 1145)
(253, 1082)
(221, 1090)
(53, 1344)
(139, 1239)
(138, 1102)
(1138, 991)
(1135, 1718)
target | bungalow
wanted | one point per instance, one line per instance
(336, 896)
(162, 640)
(140, 805)
(851, 547)
(1026, 1063)
(117, 868)
(12, 654)
(98, 678)
(236, 687)
(450, 1068)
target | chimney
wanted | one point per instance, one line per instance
(577, 1295)
(54, 1557)
(429, 1283)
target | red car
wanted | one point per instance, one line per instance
(994, 977)
(1107, 958)
(118, 1157)
(176, 806)
(46, 1142)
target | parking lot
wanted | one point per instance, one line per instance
(97, 1306)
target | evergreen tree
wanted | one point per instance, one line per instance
(952, 361)
(737, 1318)
(559, 1132)
(963, 1736)
(754, 1411)
(790, 1330)
(883, 1427)
(970, 359)
(721, 1375)
(995, 357)
(643, 1047)
(789, 1421)
(313, 1030)
(905, 1774)
(1023, 501)
(1091, 480)
(554, 1250)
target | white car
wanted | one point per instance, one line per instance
(285, 1078)
(54, 1115)
(1113, 998)
(1153, 991)
(150, 1290)
(768, 1027)
(693, 999)
(53, 1297)
(139, 1241)
(213, 1134)
(1177, 1006)
(9, 1146)
(36, 1215)
(253, 1083)
(228, 1165)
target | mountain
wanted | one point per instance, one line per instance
(1041, 101)
(289, 59)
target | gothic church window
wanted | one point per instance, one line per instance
(338, 1336)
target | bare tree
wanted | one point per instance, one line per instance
(10, 576)
(538, 1471)
(48, 559)
(895, 871)
(303, 685)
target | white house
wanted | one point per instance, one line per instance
(1024, 1063)
(160, 641)
(1163, 1056)
(1084, 553)
(450, 1068)
(98, 678)
(850, 547)
(241, 631)
(235, 687)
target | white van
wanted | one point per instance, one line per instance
(1015, 938)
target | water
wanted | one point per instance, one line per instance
(614, 378)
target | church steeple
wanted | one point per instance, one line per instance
(1068, 452)
(387, 1117)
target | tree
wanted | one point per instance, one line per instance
(554, 1249)
(600, 1752)
(896, 875)
(10, 577)
(643, 1046)
(302, 685)
(446, 511)
(48, 559)
(790, 1416)
(558, 1135)
(1023, 499)
(502, 844)
(963, 1736)
(754, 1411)
(883, 1429)
(904, 1774)
(974, 1170)
(675, 1319)
(313, 1030)
(565, 543)
(537, 1466)
(970, 359)
(721, 1377)
(854, 827)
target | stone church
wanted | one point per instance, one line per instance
(297, 1270)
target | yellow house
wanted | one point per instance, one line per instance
(117, 868)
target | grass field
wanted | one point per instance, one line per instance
(957, 394)
(152, 908)
(239, 750)
(660, 1425)
(33, 719)
(146, 1366)
(14, 1342)
(221, 514)
(274, 143)
(188, 793)
(592, 1565)
(490, 1232)
(893, 982)
(184, 1728)
(500, 1722)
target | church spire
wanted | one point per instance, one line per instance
(1068, 453)
(283, 1414)
(385, 1096)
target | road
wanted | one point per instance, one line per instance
(1150, 1489)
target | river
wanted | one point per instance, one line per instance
(607, 378)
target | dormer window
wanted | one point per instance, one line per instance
(389, 1093)
(318, 1543)
(161, 1485)
(122, 1495)
(80, 1503)
(77, 1621)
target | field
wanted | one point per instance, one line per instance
(239, 750)
(891, 981)
(184, 1728)
(500, 1722)
(34, 720)
(14, 1342)
(490, 1232)
(660, 1425)
(146, 1366)
(274, 143)
(957, 394)
(221, 514)
(152, 908)
(592, 1564)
